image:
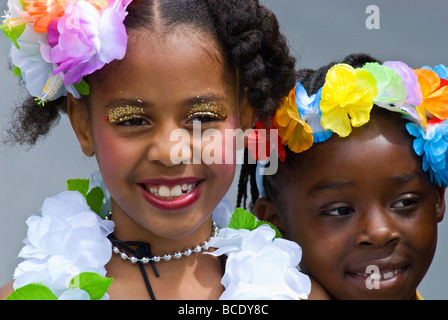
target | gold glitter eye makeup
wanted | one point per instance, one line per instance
(125, 113)
(209, 110)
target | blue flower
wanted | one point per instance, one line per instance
(310, 112)
(441, 71)
(432, 146)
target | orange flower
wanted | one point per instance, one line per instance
(43, 12)
(435, 94)
(295, 133)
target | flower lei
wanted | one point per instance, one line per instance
(67, 248)
(58, 42)
(347, 98)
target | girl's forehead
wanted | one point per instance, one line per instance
(179, 56)
(378, 144)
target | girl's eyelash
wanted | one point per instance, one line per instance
(341, 211)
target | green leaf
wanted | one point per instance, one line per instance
(13, 33)
(82, 87)
(81, 185)
(16, 71)
(95, 199)
(33, 291)
(94, 284)
(242, 219)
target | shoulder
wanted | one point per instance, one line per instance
(6, 290)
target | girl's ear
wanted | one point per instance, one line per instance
(79, 118)
(440, 203)
(266, 211)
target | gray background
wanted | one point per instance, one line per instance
(318, 31)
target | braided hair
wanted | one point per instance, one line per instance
(247, 33)
(312, 81)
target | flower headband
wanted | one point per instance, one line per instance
(347, 98)
(58, 42)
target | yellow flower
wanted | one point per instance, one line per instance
(295, 133)
(347, 98)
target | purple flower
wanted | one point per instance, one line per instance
(85, 39)
(413, 91)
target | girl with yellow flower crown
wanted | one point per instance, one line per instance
(365, 165)
(129, 73)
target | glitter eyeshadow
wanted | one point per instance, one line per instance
(209, 109)
(119, 114)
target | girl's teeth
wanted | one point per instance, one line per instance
(164, 191)
(176, 191)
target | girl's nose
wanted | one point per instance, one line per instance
(378, 229)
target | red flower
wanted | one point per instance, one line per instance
(259, 142)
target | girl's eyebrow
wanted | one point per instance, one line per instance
(204, 99)
(404, 178)
(124, 102)
(211, 97)
(328, 185)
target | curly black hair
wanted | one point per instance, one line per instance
(312, 81)
(247, 32)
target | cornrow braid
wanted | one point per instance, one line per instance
(257, 49)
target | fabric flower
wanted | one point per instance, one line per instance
(84, 39)
(295, 133)
(66, 240)
(310, 113)
(434, 92)
(391, 90)
(441, 71)
(413, 91)
(432, 145)
(259, 142)
(259, 266)
(347, 98)
(35, 70)
(42, 12)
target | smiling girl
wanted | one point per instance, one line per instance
(363, 182)
(129, 73)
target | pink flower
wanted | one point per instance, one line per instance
(85, 39)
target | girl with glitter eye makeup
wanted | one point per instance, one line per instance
(166, 65)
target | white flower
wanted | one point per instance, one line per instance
(66, 240)
(259, 266)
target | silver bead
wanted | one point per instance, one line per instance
(124, 256)
(177, 255)
(145, 260)
(197, 249)
(187, 252)
(156, 259)
(134, 259)
(167, 257)
(116, 250)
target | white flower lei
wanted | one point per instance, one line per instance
(69, 239)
